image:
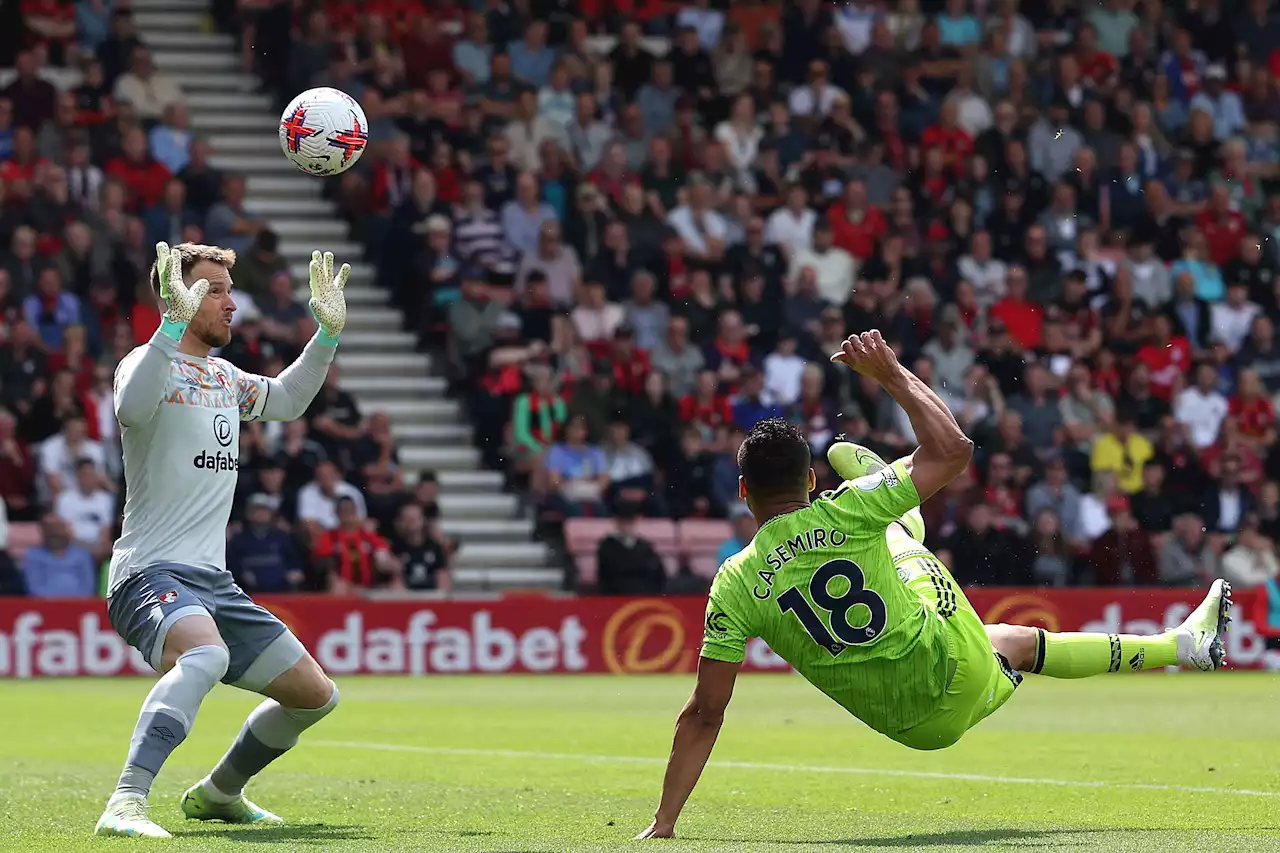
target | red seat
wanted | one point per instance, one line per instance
(583, 535)
(22, 536)
(703, 536)
(704, 565)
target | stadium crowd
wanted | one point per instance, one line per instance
(97, 164)
(1064, 214)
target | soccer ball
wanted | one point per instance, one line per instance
(323, 131)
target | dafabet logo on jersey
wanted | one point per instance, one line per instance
(215, 462)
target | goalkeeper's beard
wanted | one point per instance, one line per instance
(213, 335)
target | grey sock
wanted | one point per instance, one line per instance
(167, 714)
(270, 732)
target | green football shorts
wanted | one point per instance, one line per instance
(981, 679)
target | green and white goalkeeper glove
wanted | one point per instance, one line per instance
(182, 300)
(328, 305)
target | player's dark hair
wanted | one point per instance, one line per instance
(774, 459)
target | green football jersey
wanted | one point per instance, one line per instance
(819, 585)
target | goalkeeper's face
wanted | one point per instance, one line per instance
(212, 323)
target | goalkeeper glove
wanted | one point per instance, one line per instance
(183, 301)
(328, 305)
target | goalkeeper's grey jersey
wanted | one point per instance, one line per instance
(182, 463)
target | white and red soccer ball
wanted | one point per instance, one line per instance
(323, 131)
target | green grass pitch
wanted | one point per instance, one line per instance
(1164, 763)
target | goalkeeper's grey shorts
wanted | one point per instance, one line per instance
(147, 605)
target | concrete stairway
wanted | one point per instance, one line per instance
(379, 362)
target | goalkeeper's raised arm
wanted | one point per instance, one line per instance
(944, 450)
(198, 319)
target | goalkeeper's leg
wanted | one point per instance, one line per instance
(1198, 643)
(160, 616)
(269, 660)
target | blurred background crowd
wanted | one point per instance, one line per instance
(633, 229)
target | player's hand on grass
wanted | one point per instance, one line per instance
(658, 830)
(869, 355)
(328, 304)
(183, 301)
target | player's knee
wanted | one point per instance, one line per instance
(314, 702)
(1016, 643)
(211, 659)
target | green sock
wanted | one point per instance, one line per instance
(1083, 655)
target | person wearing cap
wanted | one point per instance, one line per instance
(473, 319)
(261, 555)
(1220, 102)
(1123, 556)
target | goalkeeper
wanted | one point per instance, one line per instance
(870, 617)
(170, 594)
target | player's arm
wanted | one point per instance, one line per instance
(944, 450)
(287, 397)
(724, 645)
(696, 730)
(141, 378)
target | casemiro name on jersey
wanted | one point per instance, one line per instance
(810, 540)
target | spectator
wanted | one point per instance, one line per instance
(1185, 557)
(148, 91)
(335, 418)
(351, 556)
(1226, 507)
(577, 474)
(633, 477)
(89, 510)
(538, 416)
(628, 563)
(744, 530)
(262, 556)
(1123, 556)
(1122, 451)
(1252, 562)
(203, 181)
(1153, 507)
(318, 499)
(32, 98)
(57, 568)
(425, 562)
(229, 223)
(17, 471)
(977, 548)
(170, 141)
(50, 310)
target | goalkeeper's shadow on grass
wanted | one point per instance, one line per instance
(304, 833)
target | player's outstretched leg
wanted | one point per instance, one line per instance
(167, 715)
(1198, 643)
(298, 699)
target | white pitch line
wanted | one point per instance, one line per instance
(789, 768)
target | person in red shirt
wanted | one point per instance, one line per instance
(629, 363)
(353, 556)
(392, 180)
(53, 24)
(730, 352)
(1222, 227)
(26, 163)
(1253, 411)
(706, 407)
(1167, 356)
(856, 226)
(1097, 67)
(1024, 319)
(143, 176)
(954, 142)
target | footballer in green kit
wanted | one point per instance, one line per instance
(842, 588)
